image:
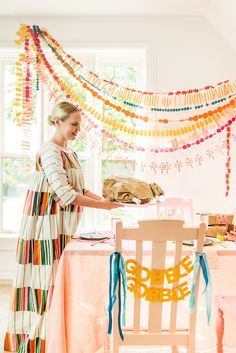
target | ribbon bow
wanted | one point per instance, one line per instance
(117, 277)
(201, 261)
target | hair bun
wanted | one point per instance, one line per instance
(61, 111)
(50, 120)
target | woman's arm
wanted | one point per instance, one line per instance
(62, 191)
(90, 194)
(105, 204)
(51, 163)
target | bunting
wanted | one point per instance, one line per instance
(152, 122)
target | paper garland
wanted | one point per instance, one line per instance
(148, 99)
(212, 116)
(154, 166)
(33, 67)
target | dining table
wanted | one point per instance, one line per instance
(78, 318)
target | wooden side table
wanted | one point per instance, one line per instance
(226, 306)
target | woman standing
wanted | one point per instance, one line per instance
(51, 214)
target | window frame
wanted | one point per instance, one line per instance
(95, 59)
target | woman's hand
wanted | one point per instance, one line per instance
(86, 201)
(107, 204)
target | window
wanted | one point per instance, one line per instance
(128, 70)
(15, 169)
(126, 67)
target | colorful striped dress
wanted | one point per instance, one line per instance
(49, 221)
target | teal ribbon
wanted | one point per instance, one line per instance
(117, 278)
(202, 262)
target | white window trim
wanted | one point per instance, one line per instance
(95, 59)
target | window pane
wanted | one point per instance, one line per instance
(128, 215)
(125, 76)
(79, 144)
(83, 218)
(12, 130)
(124, 168)
(17, 174)
(82, 163)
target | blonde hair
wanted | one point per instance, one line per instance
(61, 111)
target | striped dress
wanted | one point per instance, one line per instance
(49, 221)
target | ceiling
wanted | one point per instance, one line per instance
(103, 7)
(219, 13)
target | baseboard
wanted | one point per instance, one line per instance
(6, 282)
(7, 275)
(7, 259)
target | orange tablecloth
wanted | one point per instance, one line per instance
(78, 318)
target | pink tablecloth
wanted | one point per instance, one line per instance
(78, 318)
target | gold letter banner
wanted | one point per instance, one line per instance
(138, 275)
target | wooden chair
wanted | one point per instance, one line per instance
(159, 233)
(226, 306)
(176, 208)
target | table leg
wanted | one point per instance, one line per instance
(220, 330)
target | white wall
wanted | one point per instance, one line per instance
(182, 52)
(221, 14)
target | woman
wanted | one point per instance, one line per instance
(51, 215)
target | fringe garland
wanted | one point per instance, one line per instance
(33, 66)
(194, 96)
(208, 118)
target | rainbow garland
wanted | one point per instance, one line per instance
(208, 118)
(74, 66)
(196, 97)
(33, 66)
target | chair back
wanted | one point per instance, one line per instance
(161, 235)
(176, 208)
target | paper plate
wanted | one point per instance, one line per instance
(93, 235)
(190, 242)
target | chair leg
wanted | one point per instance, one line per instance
(115, 349)
(191, 348)
(115, 345)
(174, 349)
(220, 330)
